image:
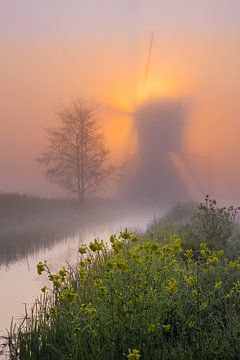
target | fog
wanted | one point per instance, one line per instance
(53, 53)
(166, 77)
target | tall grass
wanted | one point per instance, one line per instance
(139, 299)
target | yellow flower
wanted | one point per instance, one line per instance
(203, 306)
(41, 267)
(166, 328)
(235, 291)
(69, 296)
(152, 328)
(189, 253)
(172, 286)
(133, 354)
(218, 285)
(82, 250)
(88, 310)
(191, 324)
(97, 245)
(234, 265)
(191, 280)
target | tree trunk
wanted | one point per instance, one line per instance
(81, 197)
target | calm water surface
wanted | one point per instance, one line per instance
(20, 283)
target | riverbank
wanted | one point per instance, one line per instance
(144, 297)
(20, 284)
(139, 300)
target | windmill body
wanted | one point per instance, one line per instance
(155, 179)
(160, 172)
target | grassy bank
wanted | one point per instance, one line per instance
(138, 299)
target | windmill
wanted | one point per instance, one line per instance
(160, 172)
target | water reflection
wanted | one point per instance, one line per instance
(20, 283)
(19, 246)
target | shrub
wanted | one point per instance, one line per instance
(196, 223)
(214, 224)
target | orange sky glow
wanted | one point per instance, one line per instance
(38, 76)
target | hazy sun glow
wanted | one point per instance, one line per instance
(38, 75)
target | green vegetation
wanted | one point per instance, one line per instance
(196, 223)
(143, 298)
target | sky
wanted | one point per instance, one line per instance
(54, 51)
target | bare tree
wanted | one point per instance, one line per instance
(76, 154)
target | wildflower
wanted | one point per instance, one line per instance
(173, 262)
(126, 235)
(121, 265)
(98, 284)
(176, 245)
(62, 273)
(218, 285)
(235, 291)
(191, 280)
(82, 249)
(96, 245)
(203, 306)
(210, 256)
(167, 327)
(89, 259)
(134, 238)
(83, 275)
(189, 253)
(55, 280)
(234, 265)
(113, 238)
(117, 246)
(88, 310)
(172, 286)
(94, 333)
(40, 267)
(69, 296)
(133, 354)
(82, 263)
(152, 328)
(191, 324)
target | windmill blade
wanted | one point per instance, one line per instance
(189, 174)
(131, 134)
(147, 67)
(118, 110)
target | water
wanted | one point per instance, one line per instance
(20, 283)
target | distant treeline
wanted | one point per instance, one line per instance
(22, 205)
